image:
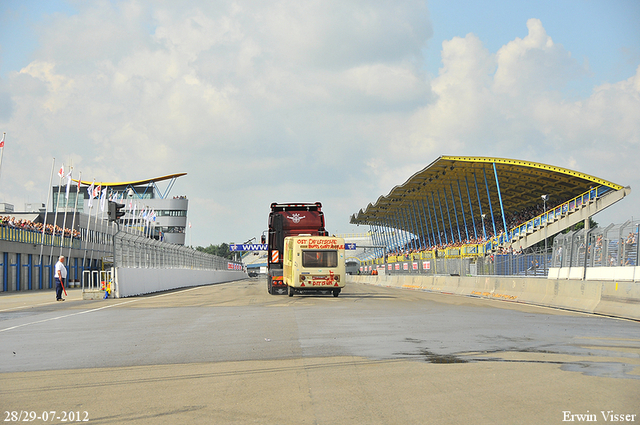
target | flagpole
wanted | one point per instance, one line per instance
(90, 191)
(75, 209)
(1, 151)
(66, 207)
(46, 208)
(55, 217)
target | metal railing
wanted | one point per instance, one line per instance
(137, 251)
(16, 234)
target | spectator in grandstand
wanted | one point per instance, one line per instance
(29, 225)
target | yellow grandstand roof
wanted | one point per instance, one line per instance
(136, 182)
(458, 183)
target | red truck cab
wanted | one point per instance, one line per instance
(289, 219)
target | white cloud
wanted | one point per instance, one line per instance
(283, 101)
(526, 66)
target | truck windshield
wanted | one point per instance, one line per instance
(320, 259)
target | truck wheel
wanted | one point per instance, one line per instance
(291, 291)
(336, 292)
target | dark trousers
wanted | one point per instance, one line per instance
(59, 288)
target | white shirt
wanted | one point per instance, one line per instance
(63, 270)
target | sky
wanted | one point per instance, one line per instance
(305, 101)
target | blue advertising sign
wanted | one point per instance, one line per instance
(350, 246)
(249, 247)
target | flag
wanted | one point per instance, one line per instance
(61, 171)
(2, 141)
(103, 198)
(68, 183)
(96, 191)
(90, 193)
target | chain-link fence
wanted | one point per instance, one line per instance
(138, 251)
(613, 246)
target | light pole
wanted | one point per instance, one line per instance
(545, 198)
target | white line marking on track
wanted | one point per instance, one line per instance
(93, 309)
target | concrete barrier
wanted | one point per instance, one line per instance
(617, 299)
(620, 299)
(624, 273)
(138, 281)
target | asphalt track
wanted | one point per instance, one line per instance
(232, 354)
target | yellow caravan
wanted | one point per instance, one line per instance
(314, 264)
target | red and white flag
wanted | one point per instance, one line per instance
(61, 171)
(2, 141)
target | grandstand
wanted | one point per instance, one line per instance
(473, 206)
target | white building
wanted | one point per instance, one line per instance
(142, 198)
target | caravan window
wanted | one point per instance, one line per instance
(320, 259)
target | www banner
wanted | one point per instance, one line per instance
(249, 247)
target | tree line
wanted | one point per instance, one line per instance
(221, 250)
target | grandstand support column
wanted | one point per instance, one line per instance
(399, 231)
(455, 212)
(409, 225)
(504, 221)
(387, 234)
(405, 227)
(484, 232)
(426, 223)
(392, 234)
(473, 218)
(446, 204)
(374, 236)
(380, 234)
(403, 237)
(419, 222)
(493, 221)
(464, 219)
(444, 226)
(414, 223)
(397, 227)
(435, 214)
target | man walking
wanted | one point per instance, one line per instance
(61, 275)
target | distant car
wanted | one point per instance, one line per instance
(253, 274)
